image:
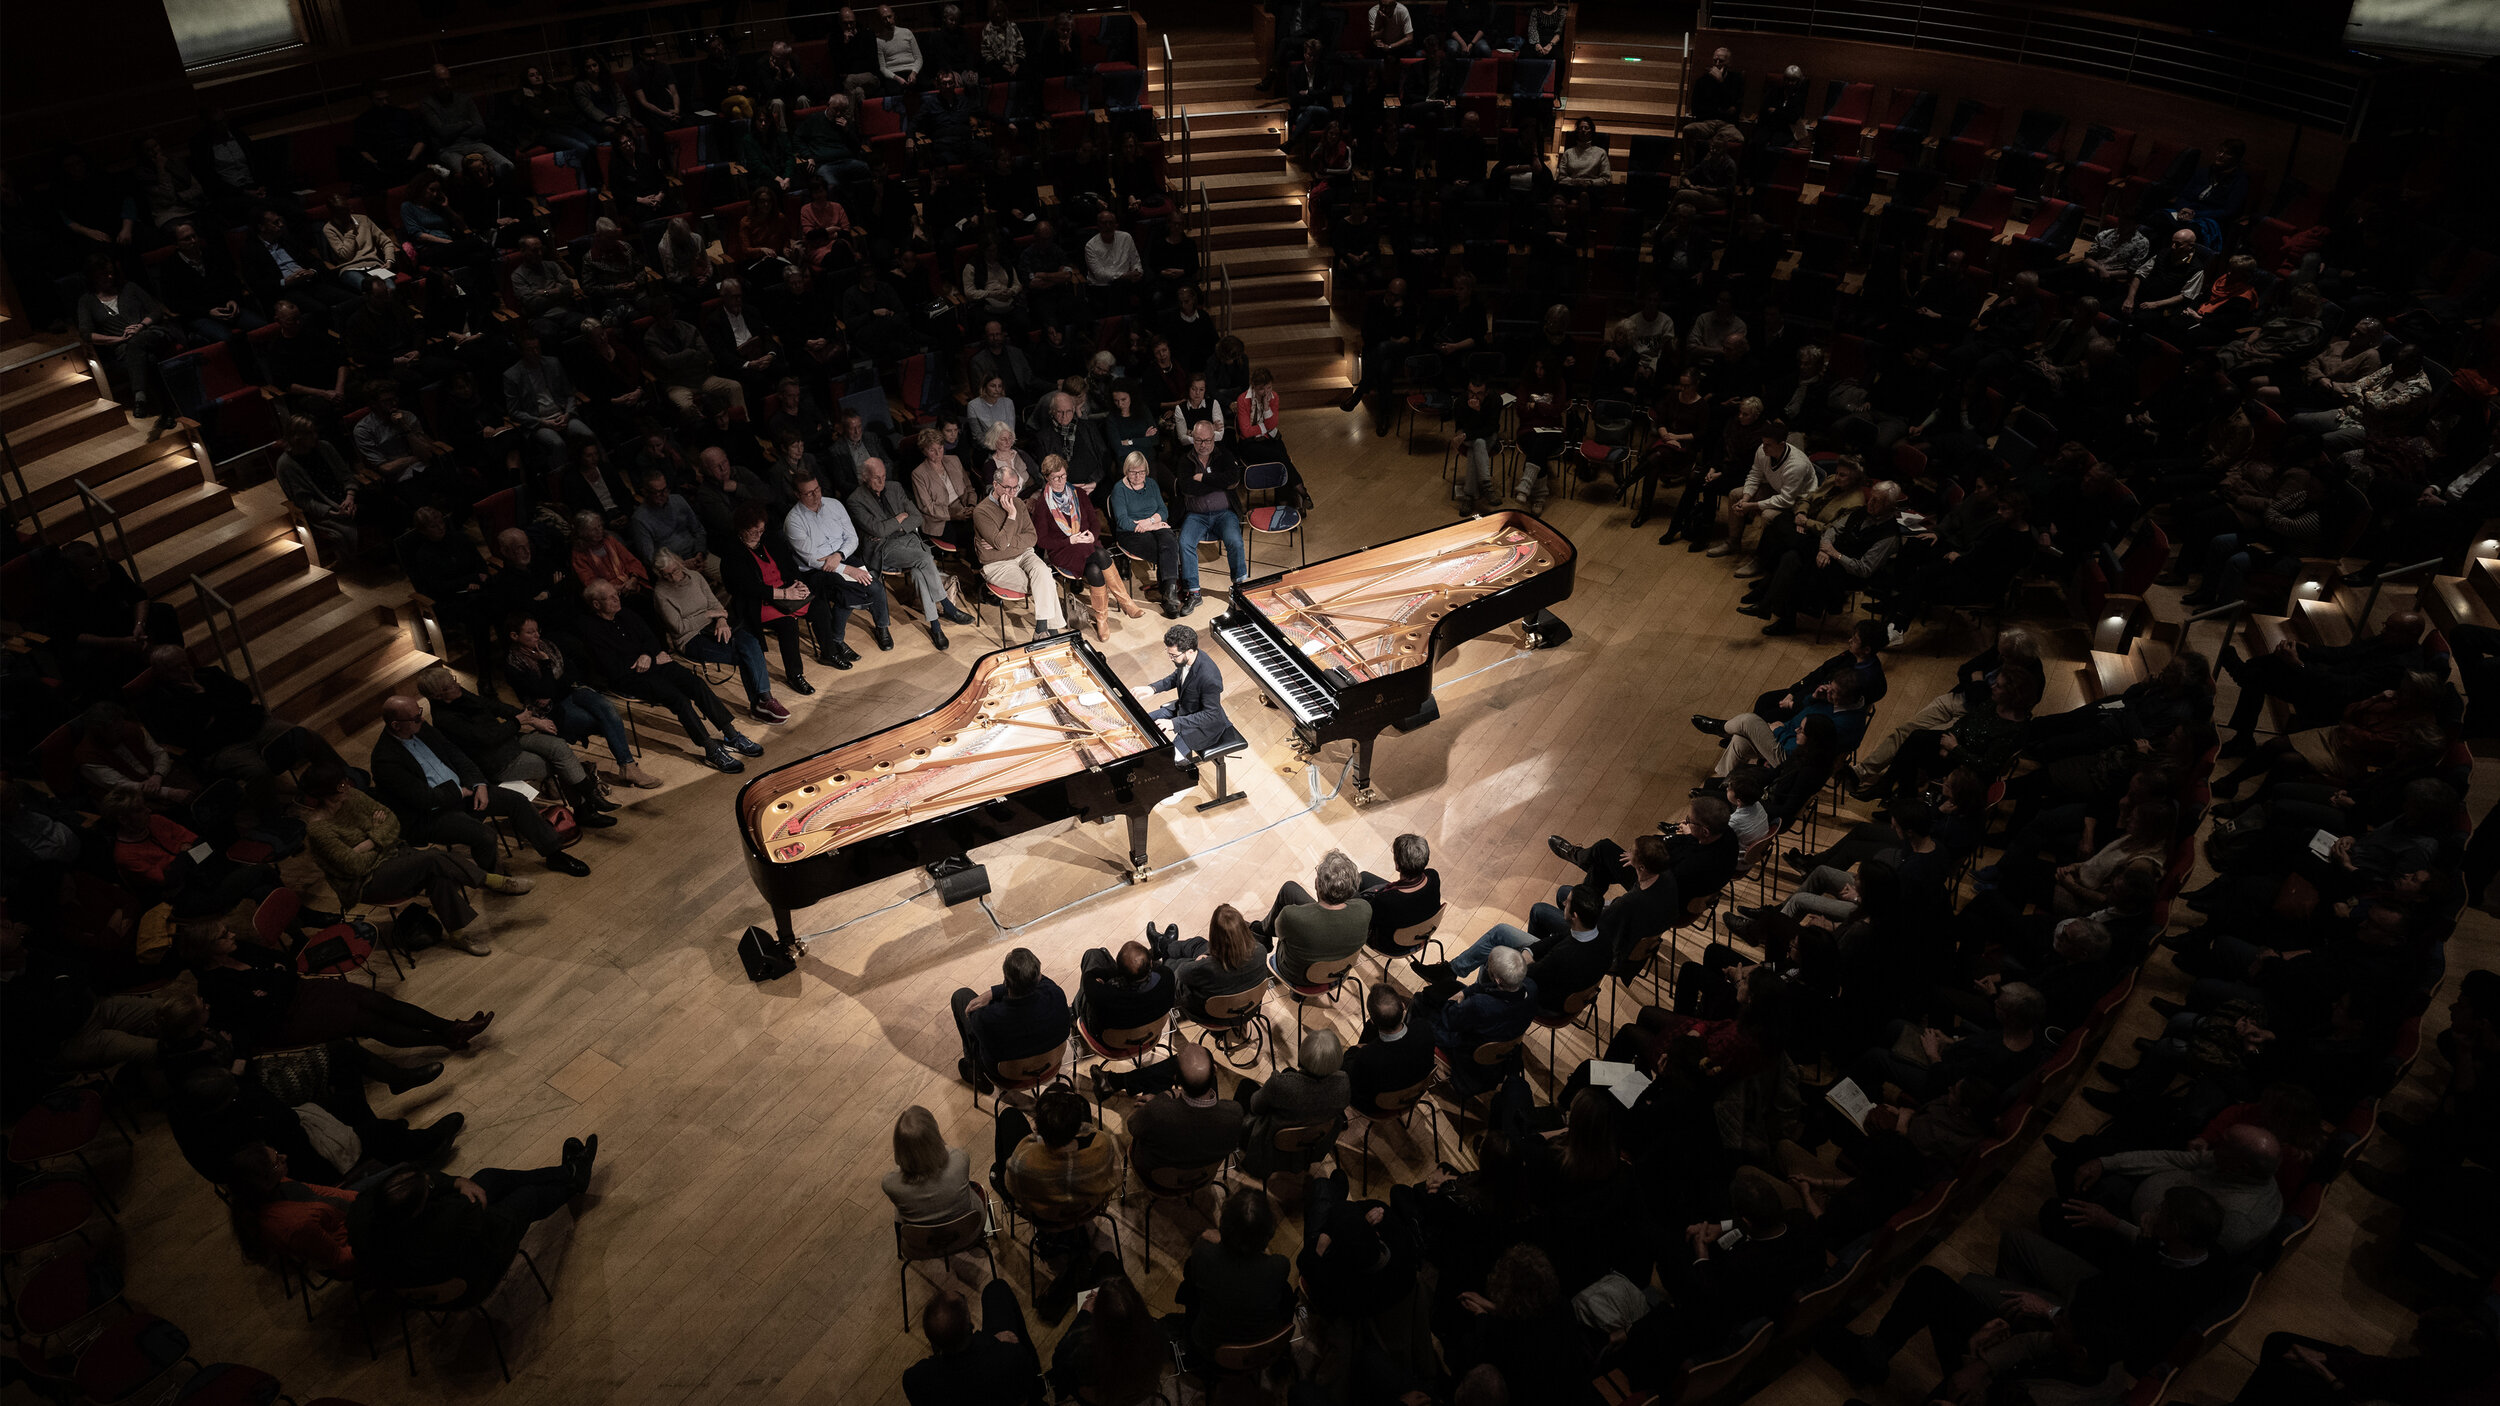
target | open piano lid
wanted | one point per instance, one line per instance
(1027, 715)
(1374, 612)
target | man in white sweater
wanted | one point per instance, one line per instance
(1781, 474)
(898, 53)
(1112, 269)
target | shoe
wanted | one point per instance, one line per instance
(1719, 549)
(1353, 401)
(1577, 856)
(1107, 1084)
(1667, 537)
(412, 1076)
(1751, 569)
(849, 654)
(799, 685)
(578, 1160)
(1797, 862)
(1755, 593)
(1697, 544)
(1189, 603)
(937, 634)
(566, 864)
(2106, 1100)
(587, 797)
(592, 819)
(464, 1033)
(1709, 788)
(839, 659)
(979, 1081)
(743, 745)
(466, 940)
(166, 421)
(1432, 973)
(2165, 1009)
(769, 710)
(952, 613)
(1742, 924)
(884, 638)
(442, 1133)
(509, 886)
(1778, 628)
(1894, 634)
(633, 775)
(1710, 727)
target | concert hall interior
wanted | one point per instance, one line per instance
(1701, 702)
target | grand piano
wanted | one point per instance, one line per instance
(1346, 646)
(1040, 732)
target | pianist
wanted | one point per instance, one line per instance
(1195, 718)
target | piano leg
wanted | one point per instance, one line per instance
(1363, 793)
(1138, 870)
(781, 925)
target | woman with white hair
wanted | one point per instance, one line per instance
(1003, 455)
(698, 625)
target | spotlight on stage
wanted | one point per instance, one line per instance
(959, 880)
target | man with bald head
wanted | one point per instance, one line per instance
(1127, 992)
(2115, 1195)
(991, 1363)
(442, 797)
(720, 489)
(2321, 680)
(1184, 1124)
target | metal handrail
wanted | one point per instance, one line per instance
(1224, 287)
(2234, 609)
(212, 606)
(1169, 108)
(99, 513)
(2370, 602)
(10, 499)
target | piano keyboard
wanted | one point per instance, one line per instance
(1285, 678)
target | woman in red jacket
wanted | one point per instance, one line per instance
(1069, 534)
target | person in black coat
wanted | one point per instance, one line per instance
(440, 794)
(632, 658)
(420, 1228)
(1127, 992)
(1413, 897)
(1394, 1053)
(1565, 964)
(989, 1364)
(200, 286)
(1024, 1015)
(1195, 719)
(784, 598)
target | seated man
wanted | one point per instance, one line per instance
(823, 539)
(1923, 1063)
(442, 796)
(1862, 658)
(1662, 876)
(1308, 932)
(1411, 898)
(1315, 1090)
(1847, 558)
(1830, 892)
(2115, 1195)
(1393, 1055)
(1577, 960)
(1127, 992)
(1195, 719)
(420, 1228)
(2015, 647)
(222, 728)
(509, 744)
(1188, 1127)
(1059, 1168)
(890, 528)
(1740, 1272)
(1752, 736)
(989, 1364)
(1025, 1015)
(1747, 818)
(1583, 906)
(1499, 1007)
(2320, 681)
(214, 1114)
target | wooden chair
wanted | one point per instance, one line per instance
(1399, 1106)
(1230, 1017)
(1132, 1044)
(1322, 981)
(1410, 940)
(1492, 1054)
(1172, 1184)
(917, 1242)
(1553, 1024)
(1015, 1076)
(1704, 1380)
(1243, 1359)
(1040, 1228)
(452, 1297)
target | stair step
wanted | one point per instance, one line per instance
(1229, 117)
(1280, 235)
(1250, 265)
(2450, 602)
(1234, 142)
(61, 385)
(1316, 339)
(342, 703)
(127, 493)
(37, 358)
(336, 631)
(170, 564)
(1648, 117)
(99, 461)
(1306, 312)
(2322, 622)
(1279, 288)
(1252, 162)
(245, 577)
(2483, 575)
(40, 439)
(271, 604)
(1305, 374)
(1224, 213)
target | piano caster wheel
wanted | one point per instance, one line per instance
(1365, 797)
(1141, 873)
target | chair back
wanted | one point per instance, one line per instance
(1179, 1181)
(1415, 935)
(1235, 1009)
(444, 1294)
(1577, 1003)
(1301, 1137)
(1327, 973)
(275, 913)
(1394, 1102)
(1254, 1356)
(1136, 1037)
(1494, 1052)
(1031, 1069)
(935, 1240)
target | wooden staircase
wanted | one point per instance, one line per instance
(1258, 229)
(325, 656)
(1632, 90)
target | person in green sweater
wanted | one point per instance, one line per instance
(1308, 931)
(1143, 526)
(356, 841)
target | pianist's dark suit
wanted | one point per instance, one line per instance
(1197, 714)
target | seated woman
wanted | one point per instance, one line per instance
(273, 1214)
(1141, 523)
(765, 239)
(152, 855)
(356, 841)
(1233, 1289)
(1069, 534)
(697, 626)
(1985, 740)
(637, 664)
(639, 182)
(599, 555)
(931, 1180)
(542, 675)
(421, 1228)
(114, 750)
(257, 997)
(1229, 960)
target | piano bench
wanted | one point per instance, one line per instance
(1233, 744)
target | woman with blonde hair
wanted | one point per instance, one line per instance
(931, 1180)
(944, 493)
